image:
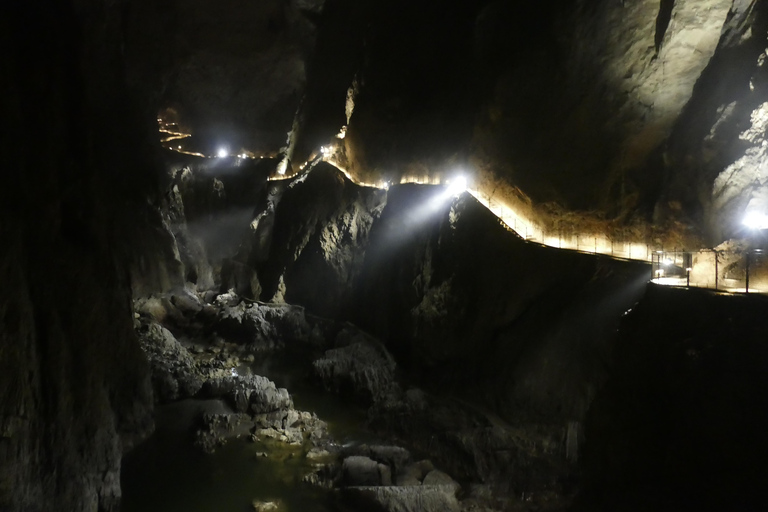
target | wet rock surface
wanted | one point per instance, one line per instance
(435, 289)
(201, 364)
(360, 368)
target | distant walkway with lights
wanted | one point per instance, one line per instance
(728, 270)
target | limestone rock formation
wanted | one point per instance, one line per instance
(174, 375)
(360, 367)
(714, 174)
(321, 230)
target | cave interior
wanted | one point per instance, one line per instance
(327, 255)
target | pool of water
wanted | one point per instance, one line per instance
(346, 421)
(167, 473)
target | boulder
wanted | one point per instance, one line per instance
(437, 498)
(358, 470)
(437, 477)
(363, 369)
(174, 373)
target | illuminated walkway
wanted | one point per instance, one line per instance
(699, 269)
(702, 269)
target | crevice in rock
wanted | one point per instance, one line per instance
(662, 22)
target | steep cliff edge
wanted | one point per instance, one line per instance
(474, 309)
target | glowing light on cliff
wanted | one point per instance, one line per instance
(755, 220)
(222, 153)
(282, 166)
(456, 186)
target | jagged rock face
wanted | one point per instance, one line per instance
(74, 387)
(194, 237)
(613, 76)
(589, 104)
(568, 100)
(474, 307)
(321, 230)
(714, 172)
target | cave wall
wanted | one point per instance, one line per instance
(570, 101)
(680, 423)
(638, 111)
(714, 169)
(465, 305)
(234, 71)
(74, 387)
(632, 111)
(472, 309)
(320, 237)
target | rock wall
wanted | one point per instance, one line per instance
(471, 308)
(234, 71)
(74, 387)
(680, 421)
(714, 172)
(633, 112)
(636, 111)
(321, 231)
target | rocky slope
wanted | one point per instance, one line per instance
(219, 346)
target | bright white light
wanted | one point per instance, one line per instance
(234, 372)
(282, 166)
(667, 261)
(456, 186)
(323, 149)
(223, 153)
(755, 220)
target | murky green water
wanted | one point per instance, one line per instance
(168, 474)
(345, 421)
